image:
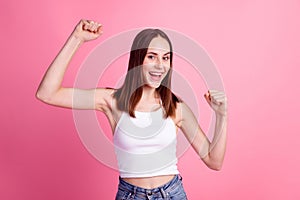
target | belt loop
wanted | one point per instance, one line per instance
(134, 191)
(163, 193)
(180, 177)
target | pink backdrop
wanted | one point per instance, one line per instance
(255, 45)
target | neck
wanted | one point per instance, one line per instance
(149, 93)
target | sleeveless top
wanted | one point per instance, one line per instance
(145, 146)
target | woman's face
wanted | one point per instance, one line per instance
(156, 62)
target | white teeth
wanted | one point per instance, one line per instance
(155, 73)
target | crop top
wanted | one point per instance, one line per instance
(145, 146)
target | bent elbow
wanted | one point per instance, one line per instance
(216, 167)
(42, 97)
(214, 164)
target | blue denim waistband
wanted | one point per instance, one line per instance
(158, 191)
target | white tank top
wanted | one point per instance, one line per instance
(145, 146)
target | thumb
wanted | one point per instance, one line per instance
(207, 97)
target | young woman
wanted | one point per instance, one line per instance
(146, 156)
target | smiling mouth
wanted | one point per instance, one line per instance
(155, 76)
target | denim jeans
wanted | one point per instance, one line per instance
(172, 190)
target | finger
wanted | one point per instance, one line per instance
(218, 97)
(94, 27)
(86, 25)
(216, 92)
(220, 100)
(85, 21)
(214, 101)
(212, 91)
(81, 24)
(217, 102)
(207, 98)
(99, 29)
(89, 24)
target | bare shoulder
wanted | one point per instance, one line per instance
(178, 117)
(183, 111)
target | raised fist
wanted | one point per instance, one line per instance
(217, 101)
(87, 30)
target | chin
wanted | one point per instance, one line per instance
(153, 85)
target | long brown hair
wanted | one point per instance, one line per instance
(131, 91)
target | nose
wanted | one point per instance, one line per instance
(159, 63)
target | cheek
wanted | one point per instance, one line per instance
(168, 67)
(147, 61)
(145, 70)
(148, 66)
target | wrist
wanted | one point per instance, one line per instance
(74, 38)
(223, 114)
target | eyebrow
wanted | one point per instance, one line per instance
(157, 54)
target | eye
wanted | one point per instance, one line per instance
(151, 57)
(166, 58)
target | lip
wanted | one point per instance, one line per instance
(156, 73)
(155, 76)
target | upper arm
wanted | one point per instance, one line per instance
(75, 98)
(192, 130)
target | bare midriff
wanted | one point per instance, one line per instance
(149, 182)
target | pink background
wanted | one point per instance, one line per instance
(256, 46)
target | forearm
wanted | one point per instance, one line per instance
(217, 147)
(53, 78)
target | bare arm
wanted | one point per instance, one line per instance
(50, 89)
(212, 153)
